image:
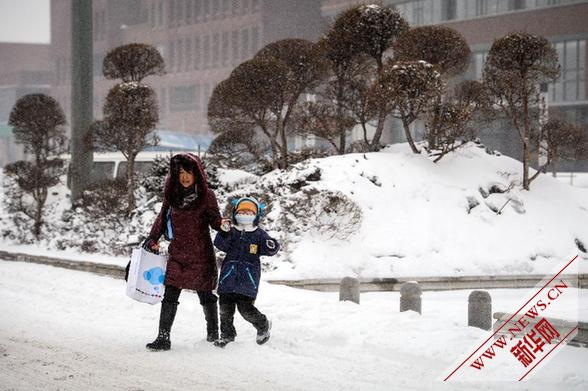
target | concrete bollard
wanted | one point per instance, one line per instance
(480, 310)
(410, 297)
(349, 290)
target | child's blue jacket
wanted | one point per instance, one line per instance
(241, 269)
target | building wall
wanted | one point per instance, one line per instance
(201, 42)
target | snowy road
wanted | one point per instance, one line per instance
(69, 330)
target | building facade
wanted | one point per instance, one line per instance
(201, 42)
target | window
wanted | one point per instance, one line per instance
(180, 54)
(236, 7)
(226, 8)
(197, 54)
(198, 10)
(206, 52)
(162, 99)
(160, 14)
(418, 13)
(225, 49)
(182, 98)
(188, 11)
(244, 44)
(235, 46)
(215, 50)
(188, 44)
(206, 9)
(255, 5)
(152, 14)
(449, 9)
(172, 54)
(571, 86)
(255, 41)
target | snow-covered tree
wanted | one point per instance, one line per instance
(447, 50)
(130, 114)
(133, 62)
(364, 29)
(253, 97)
(517, 63)
(38, 124)
(406, 90)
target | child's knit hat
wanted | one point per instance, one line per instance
(246, 204)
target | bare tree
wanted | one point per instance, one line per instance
(558, 140)
(38, 124)
(369, 29)
(253, 96)
(133, 62)
(517, 63)
(130, 114)
(306, 67)
(444, 48)
(450, 120)
(406, 90)
(321, 120)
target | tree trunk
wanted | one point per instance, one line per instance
(131, 184)
(526, 151)
(405, 125)
(374, 145)
(342, 135)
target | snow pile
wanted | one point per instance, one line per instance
(394, 213)
(388, 214)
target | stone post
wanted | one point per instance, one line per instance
(480, 310)
(349, 290)
(410, 297)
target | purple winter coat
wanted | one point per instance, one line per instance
(191, 262)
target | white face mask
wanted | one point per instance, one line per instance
(243, 219)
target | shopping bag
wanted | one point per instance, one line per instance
(146, 276)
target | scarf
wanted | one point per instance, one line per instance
(188, 196)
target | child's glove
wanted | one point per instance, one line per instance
(225, 225)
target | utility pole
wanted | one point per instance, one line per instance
(82, 92)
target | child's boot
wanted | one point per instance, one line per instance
(264, 334)
(166, 319)
(228, 332)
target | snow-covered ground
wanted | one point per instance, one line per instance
(70, 330)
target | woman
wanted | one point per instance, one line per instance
(189, 209)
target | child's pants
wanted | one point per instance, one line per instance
(228, 303)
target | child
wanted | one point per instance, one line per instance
(241, 270)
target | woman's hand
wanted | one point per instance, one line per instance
(225, 225)
(155, 247)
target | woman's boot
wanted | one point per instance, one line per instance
(211, 316)
(166, 319)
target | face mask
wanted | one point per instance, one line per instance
(243, 219)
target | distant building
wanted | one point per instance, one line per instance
(24, 69)
(562, 22)
(200, 40)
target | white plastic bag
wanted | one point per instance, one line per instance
(146, 276)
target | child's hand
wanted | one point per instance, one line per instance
(225, 225)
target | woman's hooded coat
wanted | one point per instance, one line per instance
(191, 262)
